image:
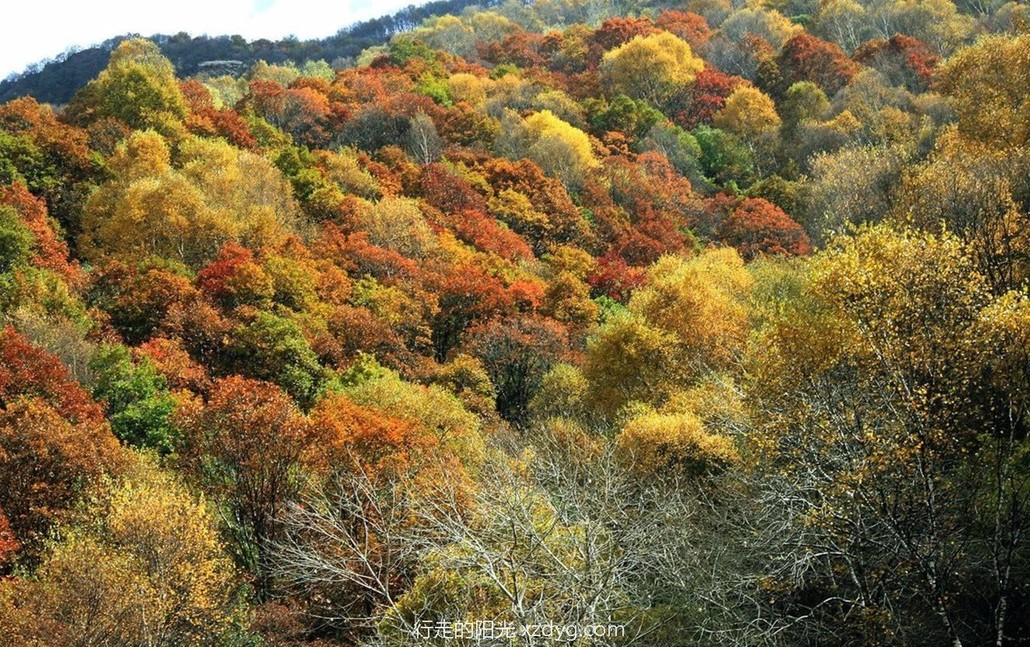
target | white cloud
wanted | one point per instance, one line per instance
(32, 31)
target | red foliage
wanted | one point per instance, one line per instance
(614, 32)
(487, 235)
(8, 544)
(206, 120)
(304, 112)
(358, 257)
(29, 371)
(53, 440)
(640, 249)
(703, 98)
(656, 198)
(139, 300)
(758, 227)
(902, 59)
(650, 180)
(465, 126)
(446, 191)
(519, 48)
(614, 278)
(468, 294)
(807, 58)
(246, 445)
(357, 330)
(516, 353)
(215, 279)
(707, 215)
(546, 194)
(68, 166)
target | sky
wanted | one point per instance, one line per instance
(32, 30)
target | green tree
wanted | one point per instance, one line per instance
(137, 400)
(273, 348)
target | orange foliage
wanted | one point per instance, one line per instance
(204, 119)
(698, 104)
(370, 439)
(173, 362)
(234, 278)
(50, 250)
(29, 371)
(758, 227)
(807, 58)
(245, 446)
(8, 544)
(614, 32)
(138, 301)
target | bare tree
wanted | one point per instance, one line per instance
(424, 142)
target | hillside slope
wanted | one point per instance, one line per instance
(627, 324)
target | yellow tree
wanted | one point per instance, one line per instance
(650, 67)
(656, 445)
(144, 568)
(890, 460)
(138, 87)
(750, 114)
(561, 149)
(702, 301)
(219, 194)
(689, 320)
(977, 191)
(987, 87)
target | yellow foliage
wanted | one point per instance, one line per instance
(650, 67)
(575, 261)
(987, 87)
(398, 224)
(138, 87)
(218, 194)
(748, 112)
(468, 88)
(630, 359)
(145, 569)
(716, 401)
(673, 445)
(702, 301)
(562, 394)
(560, 148)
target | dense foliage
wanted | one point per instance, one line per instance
(709, 322)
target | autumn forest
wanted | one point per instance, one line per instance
(604, 322)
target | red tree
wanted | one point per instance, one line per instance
(903, 60)
(687, 25)
(54, 440)
(807, 58)
(702, 99)
(758, 227)
(49, 249)
(614, 32)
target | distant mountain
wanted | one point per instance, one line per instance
(56, 81)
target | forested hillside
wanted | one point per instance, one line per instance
(562, 323)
